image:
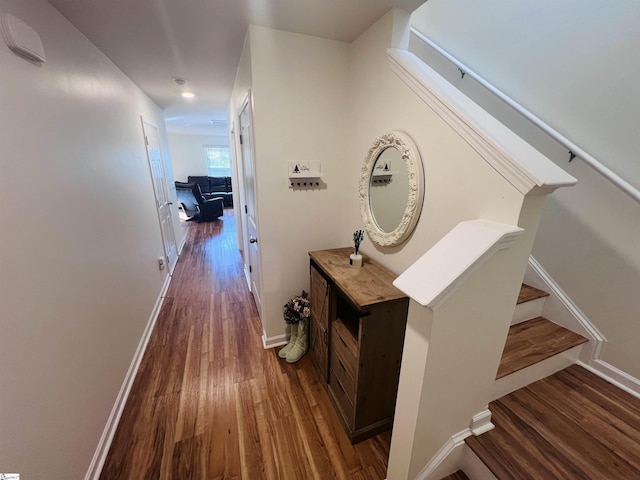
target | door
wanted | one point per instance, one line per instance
(250, 214)
(156, 167)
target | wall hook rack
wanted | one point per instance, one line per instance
(571, 156)
(305, 174)
(462, 72)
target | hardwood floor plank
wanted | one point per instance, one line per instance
(532, 341)
(251, 461)
(528, 293)
(570, 425)
(570, 439)
(209, 402)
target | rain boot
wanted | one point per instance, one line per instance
(302, 342)
(292, 340)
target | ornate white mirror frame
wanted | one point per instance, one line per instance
(411, 157)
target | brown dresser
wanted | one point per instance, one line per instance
(357, 327)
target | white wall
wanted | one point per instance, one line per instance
(79, 242)
(459, 184)
(187, 153)
(589, 234)
(299, 86)
(568, 62)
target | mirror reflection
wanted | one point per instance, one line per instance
(391, 189)
(388, 189)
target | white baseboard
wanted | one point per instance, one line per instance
(560, 309)
(270, 342)
(614, 376)
(447, 460)
(100, 455)
(182, 244)
(247, 275)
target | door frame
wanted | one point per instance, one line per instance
(247, 103)
(169, 259)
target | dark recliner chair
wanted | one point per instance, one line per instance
(196, 205)
(184, 193)
(216, 186)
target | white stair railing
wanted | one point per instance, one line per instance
(574, 150)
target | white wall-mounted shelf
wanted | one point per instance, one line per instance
(305, 174)
(305, 170)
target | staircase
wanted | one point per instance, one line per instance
(554, 419)
(459, 475)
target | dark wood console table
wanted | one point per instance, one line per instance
(357, 331)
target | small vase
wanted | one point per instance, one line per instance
(355, 260)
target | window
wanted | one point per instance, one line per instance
(218, 161)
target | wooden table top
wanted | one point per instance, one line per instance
(365, 286)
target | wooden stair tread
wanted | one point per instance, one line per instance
(572, 424)
(459, 475)
(533, 341)
(529, 293)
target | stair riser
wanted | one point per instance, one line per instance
(528, 310)
(535, 372)
(474, 468)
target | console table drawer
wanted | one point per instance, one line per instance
(346, 341)
(345, 405)
(345, 372)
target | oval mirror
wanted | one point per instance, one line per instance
(391, 189)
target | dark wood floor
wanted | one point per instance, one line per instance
(571, 425)
(210, 403)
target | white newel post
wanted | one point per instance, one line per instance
(453, 342)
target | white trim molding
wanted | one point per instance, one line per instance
(447, 460)
(562, 310)
(446, 265)
(181, 246)
(614, 376)
(481, 422)
(100, 455)
(518, 162)
(271, 342)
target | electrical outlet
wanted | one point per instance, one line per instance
(161, 263)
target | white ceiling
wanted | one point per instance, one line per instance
(153, 41)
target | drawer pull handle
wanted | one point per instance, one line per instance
(341, 387)
(325, 337)
(343, 342)
(341, 364)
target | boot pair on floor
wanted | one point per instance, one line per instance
(298, 342)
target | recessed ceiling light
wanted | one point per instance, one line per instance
(188, 94)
